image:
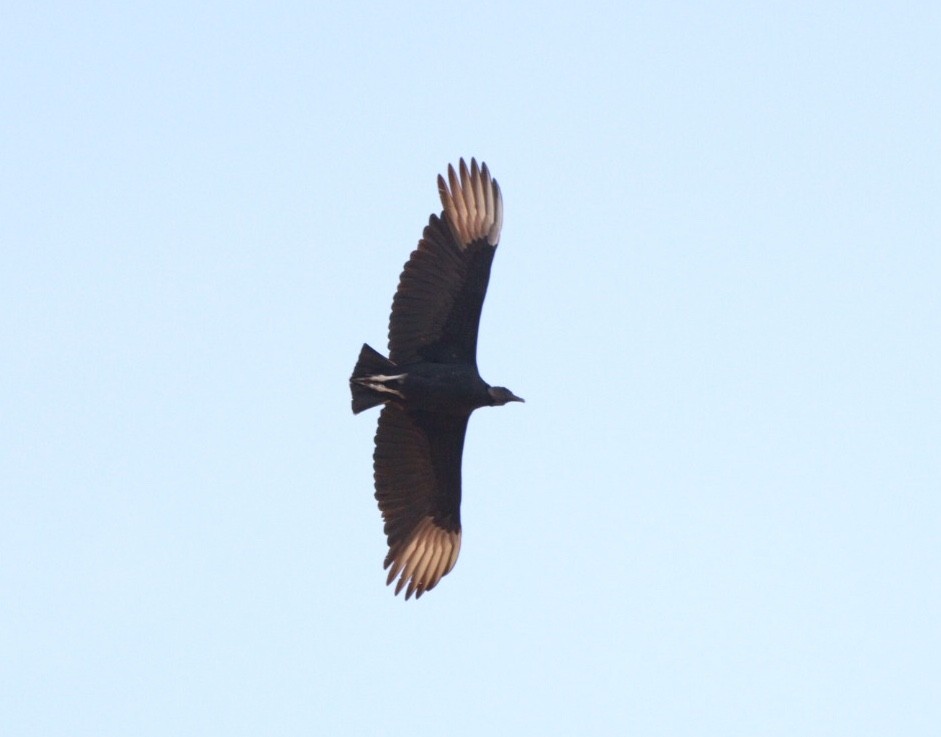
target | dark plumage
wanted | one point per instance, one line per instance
(430, 384)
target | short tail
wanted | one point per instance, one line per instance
(370, 364)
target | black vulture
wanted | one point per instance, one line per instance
(430, 384)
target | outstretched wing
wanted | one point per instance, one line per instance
(417, 465)
(436, 309)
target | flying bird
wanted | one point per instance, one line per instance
(429, 384)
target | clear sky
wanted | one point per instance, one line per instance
(718, 512)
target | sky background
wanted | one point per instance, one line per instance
(718, 512)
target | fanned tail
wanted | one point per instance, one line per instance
(366, 383)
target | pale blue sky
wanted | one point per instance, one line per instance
(718, 512)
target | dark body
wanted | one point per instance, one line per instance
(430, 383)
(451, 389)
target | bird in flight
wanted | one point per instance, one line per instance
(429, 384)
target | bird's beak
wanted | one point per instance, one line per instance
(514, 398)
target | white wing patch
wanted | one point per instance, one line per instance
(473, 205)
(429, 554)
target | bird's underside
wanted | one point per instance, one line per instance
(429, 385)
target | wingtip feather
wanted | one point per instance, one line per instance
(472, 202)
(427, 556)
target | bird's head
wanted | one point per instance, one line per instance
(500, 395)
